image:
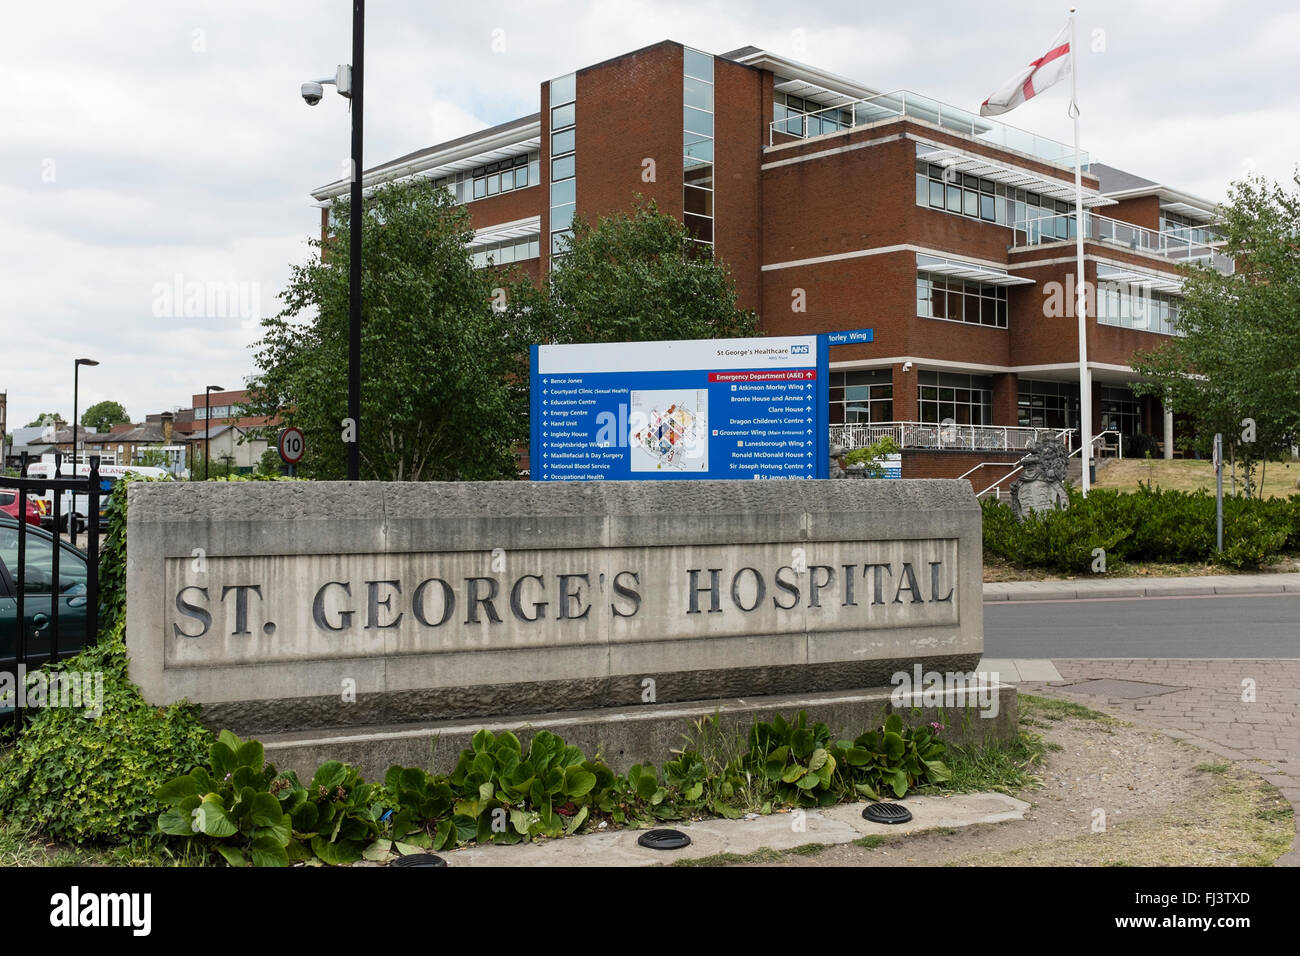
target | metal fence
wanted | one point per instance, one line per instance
(946, 436)
(36, 639)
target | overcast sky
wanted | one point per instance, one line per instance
(151, 143)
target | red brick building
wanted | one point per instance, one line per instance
(838, 206)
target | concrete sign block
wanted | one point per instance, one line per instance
(286, 606)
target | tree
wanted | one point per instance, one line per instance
(45, 418)
(1234, 367)
(104, 415)
(152, 458)
(444, 372)
(640, 278)
(270, 463)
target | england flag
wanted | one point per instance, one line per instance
(1041, 73)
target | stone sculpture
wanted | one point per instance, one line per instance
(1041, 485)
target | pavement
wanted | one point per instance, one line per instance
(1083, 588)
(777, 831)
(1245, 710)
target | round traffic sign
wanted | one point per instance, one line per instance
(291, 446)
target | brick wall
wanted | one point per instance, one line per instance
(1142, 211)
(922, 463)
(629, 110)
(742, 101)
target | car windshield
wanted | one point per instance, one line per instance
(38, 568)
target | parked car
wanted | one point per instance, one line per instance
(78, 504)
(40, 590)
(9, 505)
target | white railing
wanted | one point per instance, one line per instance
(1107, 444)
(1170, 244)
(996, 487)
(904, 103)
(946, 436)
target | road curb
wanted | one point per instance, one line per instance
(1120, 588)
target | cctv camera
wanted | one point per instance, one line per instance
(312, 92)
(907, 366)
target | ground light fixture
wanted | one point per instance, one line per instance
(419, 859)
(664, 839)
(348, 81)
(886, 813)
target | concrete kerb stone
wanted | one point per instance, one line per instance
(779, 831)
(1074, 589)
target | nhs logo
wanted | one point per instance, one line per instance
(798, 350)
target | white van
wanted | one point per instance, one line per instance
(79, 504)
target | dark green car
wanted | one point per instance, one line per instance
(40, 590)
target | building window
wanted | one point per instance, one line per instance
(506, 252)
(963, 399)
(1185, 228)
(1132, 307)
(1120, 411)
(974, 198)
(697, 144)
(960, 300)
(504, 176)
(1048, 404)
(563, 178)
(862, 397)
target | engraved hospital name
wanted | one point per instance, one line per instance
(348, 604)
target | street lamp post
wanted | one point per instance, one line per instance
(348, 81)
(207, 424)
(76, 382)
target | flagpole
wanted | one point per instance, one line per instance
(1080, 306)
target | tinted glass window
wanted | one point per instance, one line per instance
(38, 569)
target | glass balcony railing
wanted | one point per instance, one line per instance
(1182, 244)
(903, 103)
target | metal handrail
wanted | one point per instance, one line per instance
(943, 435)
(995, 484)
(1034, 230)
(1104, 434)
(905, 103)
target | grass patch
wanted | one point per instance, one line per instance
(1034, 710)
(761, 855)
(1188, 475)
(1213, 767)
(1243, 822)
(1000, 767)
(20, 846)
(871, 841)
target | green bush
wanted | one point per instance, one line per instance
(1149, 524)
(82, 777)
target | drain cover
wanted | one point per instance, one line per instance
(886, 813)
(664, 839)
(419, 859)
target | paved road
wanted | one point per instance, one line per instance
(1200, 626)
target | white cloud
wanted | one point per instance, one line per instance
(176, 152)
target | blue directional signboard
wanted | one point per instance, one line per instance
(709, 408)
(851, 337)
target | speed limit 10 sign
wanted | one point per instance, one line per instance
(291, 446)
